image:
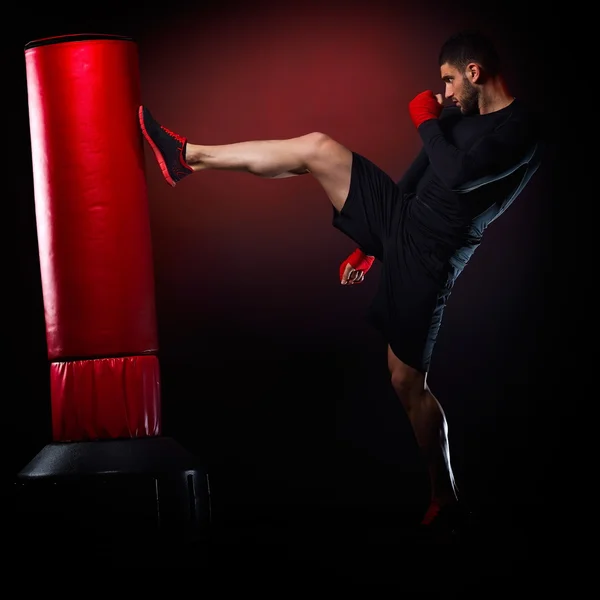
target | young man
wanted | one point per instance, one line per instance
(476, 158)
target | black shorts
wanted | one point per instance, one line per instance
(415, 284)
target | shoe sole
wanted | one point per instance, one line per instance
(157, 152)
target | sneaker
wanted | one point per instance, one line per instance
(450, 520)
(168, 147)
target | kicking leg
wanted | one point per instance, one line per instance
(326, 160)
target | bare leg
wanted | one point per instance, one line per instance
(315, 153)
(326, 160)
(429, 425)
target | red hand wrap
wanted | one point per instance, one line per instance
(423, 107)
(358, 260)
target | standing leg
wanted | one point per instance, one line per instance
(431, 430)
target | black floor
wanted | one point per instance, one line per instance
(265, 532)
(493, 557)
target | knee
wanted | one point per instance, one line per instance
(408, 384)
(317, 143)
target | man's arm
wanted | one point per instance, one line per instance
(491, 157)
(408, 182)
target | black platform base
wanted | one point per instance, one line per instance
(116, 494)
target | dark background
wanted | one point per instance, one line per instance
(269, 372)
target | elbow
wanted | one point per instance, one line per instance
(459, 182)
(460, 178)
(463, 186)
(463, 181)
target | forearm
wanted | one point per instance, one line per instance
(408, 182)
(447, 160)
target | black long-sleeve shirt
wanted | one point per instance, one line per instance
(468, 171)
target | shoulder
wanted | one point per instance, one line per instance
(521, 114)
(520, 120)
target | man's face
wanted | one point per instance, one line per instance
(460, 89)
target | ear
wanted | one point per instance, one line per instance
(474, 72)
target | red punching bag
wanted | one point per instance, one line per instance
(95, 251)
(94, 237)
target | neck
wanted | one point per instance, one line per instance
(494, 96)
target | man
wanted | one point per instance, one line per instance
(475, 159)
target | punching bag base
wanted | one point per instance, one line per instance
(129, 497)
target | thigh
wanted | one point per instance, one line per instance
(408, 308)
(370, 209)
(330, 163)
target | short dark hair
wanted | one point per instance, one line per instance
(470, 46)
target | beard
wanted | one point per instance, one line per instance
(469, 100)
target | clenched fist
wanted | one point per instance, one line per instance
(354, 268)
(425, 106)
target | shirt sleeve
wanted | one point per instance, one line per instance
(413, 174)
(490, 157)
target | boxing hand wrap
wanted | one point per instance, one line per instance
(358, 260)
(423, 107)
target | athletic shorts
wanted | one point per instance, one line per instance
(415, 284)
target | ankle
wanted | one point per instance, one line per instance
(188, 155)
(192, 156)
(443, 499)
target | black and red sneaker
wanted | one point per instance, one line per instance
(168, 147)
